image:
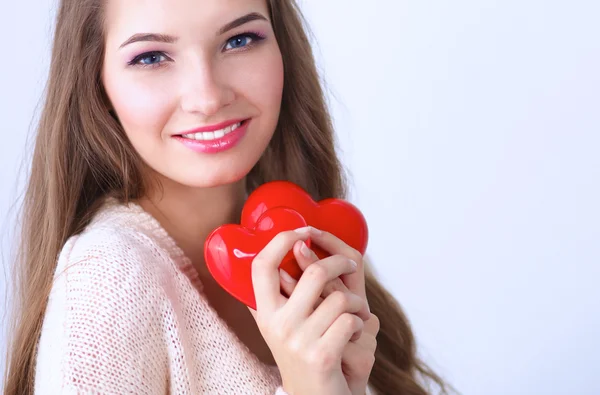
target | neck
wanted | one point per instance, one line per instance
(189, 215)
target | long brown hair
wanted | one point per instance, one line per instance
(82, 154)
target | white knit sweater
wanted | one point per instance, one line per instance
(126, 315)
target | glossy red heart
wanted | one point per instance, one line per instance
(230, 249)
(335, 216)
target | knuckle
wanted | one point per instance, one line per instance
(341, 300)
(344, 259)
(355, 255)
(329, 289)
(295, 345)
(322, 358)
(283, 238)
(326, 234)
(368, 341)
(278, 332)
(374, 323)
(259, 263)
(338, 285)
(350, 321)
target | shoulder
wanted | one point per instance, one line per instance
(120, 240)
(115, 270)
(107, 303)
(113, 259)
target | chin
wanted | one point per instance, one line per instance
(212, 171)
(215, 179)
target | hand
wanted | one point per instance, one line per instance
(307, 342)
(358, 355)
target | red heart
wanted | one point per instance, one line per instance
(335, 216)
(230, 249)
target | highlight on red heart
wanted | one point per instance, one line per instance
(332, 215)
(272, 208)
(230, 249)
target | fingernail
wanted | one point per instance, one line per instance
(286, 277)
(303, 231)
(315, 230)
(354, 264)
(305, 250)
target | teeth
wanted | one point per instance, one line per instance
(217, 134)
(207, 135)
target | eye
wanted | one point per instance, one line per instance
(244, 40)
(148, 59)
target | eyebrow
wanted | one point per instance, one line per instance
(165, 38)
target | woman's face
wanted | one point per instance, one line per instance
(172, 67)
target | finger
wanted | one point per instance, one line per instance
(288, 283)
(337, 285)
(334, 245)
(372, 325)
(313, 280)
(306, 257)
(358, 358)
(367, 343)
(330, 309)
(265, 273)
(340, 332)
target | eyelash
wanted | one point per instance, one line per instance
(256, 38)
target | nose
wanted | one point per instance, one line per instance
(204, 90)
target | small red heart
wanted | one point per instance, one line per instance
(335, 216)
(230, 249)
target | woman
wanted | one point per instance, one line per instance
(160, 118)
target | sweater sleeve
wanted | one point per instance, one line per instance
(102, 329)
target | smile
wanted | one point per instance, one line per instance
(215, 141)
(209, 136)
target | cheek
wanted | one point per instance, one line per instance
(273, 84)
(261, 81)
(272, 81)
(142, 108)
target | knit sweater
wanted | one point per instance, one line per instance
(126, 315)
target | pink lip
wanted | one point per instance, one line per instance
(224, 143)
